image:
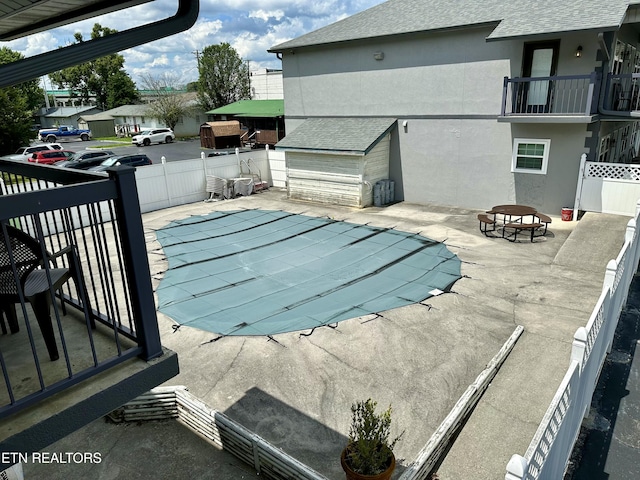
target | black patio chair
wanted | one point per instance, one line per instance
(29, 259)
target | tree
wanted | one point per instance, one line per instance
(223, 77)
(103, 77)
(169, 103)
(17, 105)
(121, 90)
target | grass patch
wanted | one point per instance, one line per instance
(112, 142)
(114, 139)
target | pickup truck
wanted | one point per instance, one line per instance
(63, 132)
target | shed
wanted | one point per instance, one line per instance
(263, 118)
(337, 160)
(101, 124)
(224, 134)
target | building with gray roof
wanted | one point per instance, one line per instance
(493, 102)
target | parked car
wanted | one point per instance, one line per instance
(155, 135)
(86, 159)
(49, 157)
(23, 153)
(135, 160)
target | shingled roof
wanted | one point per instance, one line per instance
(511, 19)
(347, 136)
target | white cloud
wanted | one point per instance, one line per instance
(264, 15)
(162, 60)
(250, 30)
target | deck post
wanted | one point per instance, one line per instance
(136, 263)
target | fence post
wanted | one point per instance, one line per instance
(630, 231)
(629, 236)
(578, 351)
(516, 468)
(611, 313)
(576, 203)
(578, 347)
(610, 276)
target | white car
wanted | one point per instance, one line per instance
(154, 135)
(24, 153)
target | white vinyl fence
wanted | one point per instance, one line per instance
(278, 168)
(551, 447)
(177, 183)
(607, 187)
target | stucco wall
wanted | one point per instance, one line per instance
(448, 88)
(444, 74)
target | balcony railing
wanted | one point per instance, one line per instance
(569, 95)
(96, 328)
(623, 93)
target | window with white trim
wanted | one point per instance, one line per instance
(530, 155)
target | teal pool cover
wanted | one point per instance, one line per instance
(263, 272)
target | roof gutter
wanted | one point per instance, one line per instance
(33, 67)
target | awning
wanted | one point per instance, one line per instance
(347, 136)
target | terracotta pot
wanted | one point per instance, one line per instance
(351, 475)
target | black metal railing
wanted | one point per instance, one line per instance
(105, 314)
(622, 93)
(558, 95)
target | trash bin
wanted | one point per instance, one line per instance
(567, 214)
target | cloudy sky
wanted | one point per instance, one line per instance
(250, 27)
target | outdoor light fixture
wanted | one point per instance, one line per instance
(378, 55)
(579, 51)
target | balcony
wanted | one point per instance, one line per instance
(623, 95)
(557, 99)
(101, 347)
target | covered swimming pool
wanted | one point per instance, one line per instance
(264, 272)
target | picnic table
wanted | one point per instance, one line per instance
(513, 218)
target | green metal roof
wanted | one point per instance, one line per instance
(252, 108)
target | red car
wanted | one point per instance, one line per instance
(50, 156)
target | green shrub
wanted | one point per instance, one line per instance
(369, 450)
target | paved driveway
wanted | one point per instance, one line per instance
(178, 150)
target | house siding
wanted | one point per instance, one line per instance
(333, 178)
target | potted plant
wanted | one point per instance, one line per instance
(369, 452)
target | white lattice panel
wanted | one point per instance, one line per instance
(618, 171)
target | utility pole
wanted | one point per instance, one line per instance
(46, 95)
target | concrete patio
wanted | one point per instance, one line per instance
(295, 389)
